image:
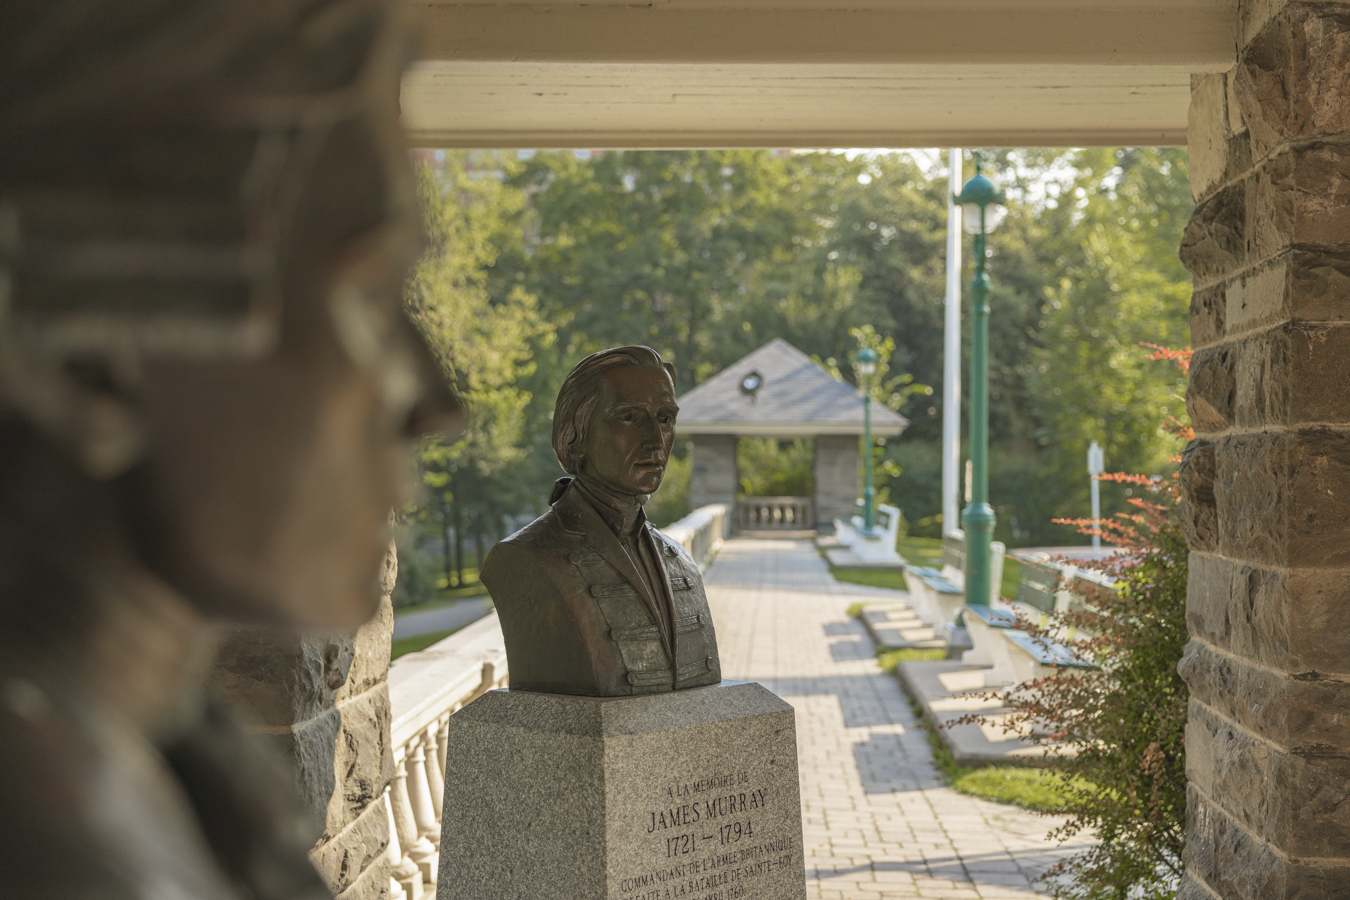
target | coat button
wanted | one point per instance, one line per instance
(712, 664)
(632, 678)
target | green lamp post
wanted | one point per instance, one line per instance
(866, 361)
(979, 200)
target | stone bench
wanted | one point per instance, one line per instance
(878, 546)
(1013, 655)
(938, 596)
(1038, 657)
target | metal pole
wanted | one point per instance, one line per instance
(979, 515)
(869, 492)
(1096, 466)
(1096, 515)
(951, 355)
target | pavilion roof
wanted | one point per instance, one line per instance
(796, 398)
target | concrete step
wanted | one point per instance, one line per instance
(947, 690)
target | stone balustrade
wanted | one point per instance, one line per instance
(427, 687)
(701, 532)
(774, 513)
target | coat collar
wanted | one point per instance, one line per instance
(578, 517)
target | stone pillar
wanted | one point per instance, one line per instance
(1267, 480)
(325, 701)
(835, 472)
(713, 478)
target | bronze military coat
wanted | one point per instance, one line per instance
(578, 618)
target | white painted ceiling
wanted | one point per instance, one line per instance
(809, 73)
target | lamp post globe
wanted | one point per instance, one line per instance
(980, 201)
(866, 362)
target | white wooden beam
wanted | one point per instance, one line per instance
(806, 73)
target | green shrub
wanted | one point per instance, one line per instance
(1126, 717)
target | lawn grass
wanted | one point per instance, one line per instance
(1042, 790)
(1012, 577)
(893, 579)
(403, 646)
(919, 551)
(923, 552)
(889, 659)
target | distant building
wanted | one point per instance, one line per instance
(778, 392)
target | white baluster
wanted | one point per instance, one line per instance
(443, 742)
(435, 775)
(419, 795)
(417, 848)
(405, 879)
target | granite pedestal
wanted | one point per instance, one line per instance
(691, 795)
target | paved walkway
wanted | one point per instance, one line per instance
(878, 822)
(443, 618)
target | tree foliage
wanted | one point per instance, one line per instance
(486, 343)
(707, 255)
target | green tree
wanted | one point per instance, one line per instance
(707, 255)
(486, 344)
(654, 247)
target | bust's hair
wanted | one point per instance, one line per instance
(580, 393)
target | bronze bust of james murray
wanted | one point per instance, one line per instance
(593, 600)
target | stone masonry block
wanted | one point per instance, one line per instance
(1291, 620)
(1254, 16)
(362, 758)
(1319, 285)
(1294, 74)
(1198, 512)
(342, 862)
(1224, 860)
(1317, 359)
(1283, 498)
(1207, 132)
(1191, 888)
(371, 884)
(1312, 285)
(1257, 299)
(1299, 803)
(309, 748)
(281, 677)
(1216, 138)
(1214, 244)
(1223, 857)
(1304, 714)
(835, 471)
(1262, 378)
(370, 654)
(1208, 314)
(1299, 198)
(1213, 386)
(713, 477)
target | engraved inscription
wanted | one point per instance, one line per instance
(709, 842)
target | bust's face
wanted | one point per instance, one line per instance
(631, 430)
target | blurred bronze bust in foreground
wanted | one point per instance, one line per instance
(207, 390)
(594, 600)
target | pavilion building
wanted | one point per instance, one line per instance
(779, 392)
